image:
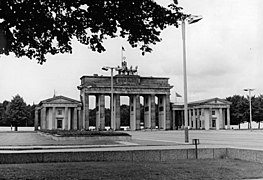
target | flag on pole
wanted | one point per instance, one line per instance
(177, 95)
(122, 57)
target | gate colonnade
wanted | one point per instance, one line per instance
(134, 87)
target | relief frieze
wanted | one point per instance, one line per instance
(128, 80)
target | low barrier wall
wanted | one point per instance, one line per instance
(129, 155)
(245, 154)
(167, 155)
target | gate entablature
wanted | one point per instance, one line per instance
(125, 84)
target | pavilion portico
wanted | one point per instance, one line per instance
(205, 114)
(134, 87)
(58, 112)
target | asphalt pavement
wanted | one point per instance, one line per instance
(141, 140)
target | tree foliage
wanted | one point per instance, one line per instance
(34, 28)
(16, 113)
(257, 109)
(239, 109)
(3, 114)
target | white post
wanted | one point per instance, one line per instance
(185, 84)
(113, 124)
(250, 109)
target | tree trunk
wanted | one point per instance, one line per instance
(259, 124)
(238, 125)
(16, 128)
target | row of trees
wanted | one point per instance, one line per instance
(239, 109)
(16, 113)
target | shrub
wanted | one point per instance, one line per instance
(81, 133)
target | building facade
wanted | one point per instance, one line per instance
(58, 112)
(205, 114)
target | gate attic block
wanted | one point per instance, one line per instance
(132, 86)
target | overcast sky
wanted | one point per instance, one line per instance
(224, 53)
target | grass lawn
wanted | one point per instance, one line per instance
(180, 169)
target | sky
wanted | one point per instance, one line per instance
(223, 51)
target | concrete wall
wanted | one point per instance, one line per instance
(245, 154)
(129, 155)
(9, 157)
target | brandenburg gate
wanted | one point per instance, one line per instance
(127, 83)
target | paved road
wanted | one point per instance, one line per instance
(233, 138)
(141, 140)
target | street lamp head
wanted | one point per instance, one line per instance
(193, 19)
(105, 69)
(248, 89)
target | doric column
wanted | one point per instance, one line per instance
(147, 111)
(36, 119)
(210, 117)
(100, 112)
(135, 112)
(116, 122)
(138, 112)
(198, 119)
(202, 118)
(80, 125)
(43, 118)
(152, 110)
(66, 127)
(161, 111)
(85, 116)
(189, 121)
(220, 119)
(228, 118)
(167, 112)
(173, 119)
(53, 118)
(132, 113)
(224, 118)
(75, 120)
(194, 119)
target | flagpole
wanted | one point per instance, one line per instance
(121, 55)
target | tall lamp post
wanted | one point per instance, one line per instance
(250, 107)
(190, 19)
(106, 68)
